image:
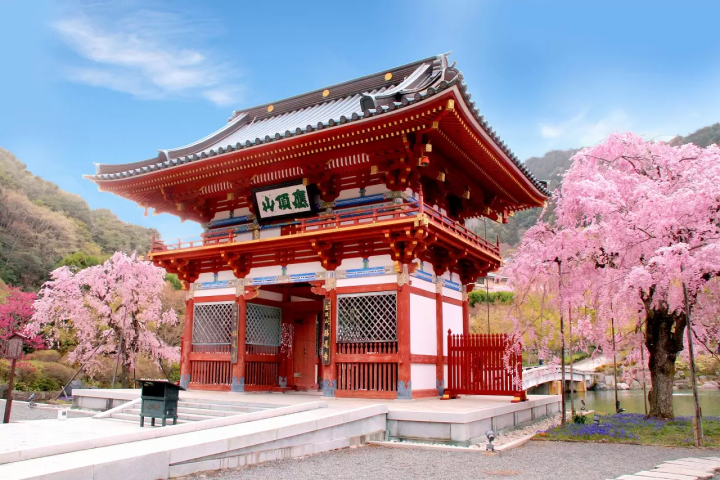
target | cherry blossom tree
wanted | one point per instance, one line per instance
(113, 308)
(636, 225)
(16, 310)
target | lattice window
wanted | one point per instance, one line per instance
(367, 317)
(263, 325)
(213, 323)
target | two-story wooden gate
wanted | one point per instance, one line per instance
(480, 364)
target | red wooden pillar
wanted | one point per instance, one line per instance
(404, 387)
(186, 344)
(238, 368)
(440, 338)
(465, 310)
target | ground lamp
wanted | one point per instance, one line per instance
(491, 438)
(12, 350)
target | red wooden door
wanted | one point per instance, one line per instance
(304, 351)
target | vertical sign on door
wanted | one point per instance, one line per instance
(326, 331)
(234, 335)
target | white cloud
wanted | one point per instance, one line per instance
(145, 55)
(581, 130)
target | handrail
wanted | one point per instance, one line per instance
(338, 220)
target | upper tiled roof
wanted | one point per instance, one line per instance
(338, 104)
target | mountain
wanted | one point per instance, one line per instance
(551, 167)
(704, 137)
(40, 224)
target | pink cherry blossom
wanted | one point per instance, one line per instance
(109, 308)
(634, 222)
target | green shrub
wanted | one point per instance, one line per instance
(579, 418)
(57, 372)
(481, 296)
(45, 356)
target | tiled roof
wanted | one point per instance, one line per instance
(346, 102)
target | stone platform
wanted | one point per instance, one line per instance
(462, 421)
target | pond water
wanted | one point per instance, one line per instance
(632, 401)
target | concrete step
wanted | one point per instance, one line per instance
(223, 406)
(290, 435)
(134, 418)
(208, 411)
(181, 416)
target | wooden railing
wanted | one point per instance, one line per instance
(209, 372)
(480, 364)
(379, 214)
(367, 348)
(261, 374)
(370, 376)
(210, 348)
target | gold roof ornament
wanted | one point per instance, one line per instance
(388, 76)
(325, 93)
(271, 108)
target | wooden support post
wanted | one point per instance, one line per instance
(440, 368)
(238, 368)
(404, 388)
(465, 310)
(186, 344)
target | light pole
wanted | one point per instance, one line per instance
(562, 342)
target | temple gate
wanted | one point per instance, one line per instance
(334, 253)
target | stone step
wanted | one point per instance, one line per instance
(181, 416)
(132, 418)
(223, 406)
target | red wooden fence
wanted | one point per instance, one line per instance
(481, 364)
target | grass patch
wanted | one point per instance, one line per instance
(634, 428)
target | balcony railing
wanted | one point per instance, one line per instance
(377, 214)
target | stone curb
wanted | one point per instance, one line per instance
(442, 448)
(515, 443)
(692, 468)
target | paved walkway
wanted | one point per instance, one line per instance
(21, 412)
(537, 460)
(590, 364)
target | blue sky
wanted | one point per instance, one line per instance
(112, 82)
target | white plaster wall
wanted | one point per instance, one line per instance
(243, 237)
(265, 271)
(423, 285)
(270, 295)
(369, 190)
(423, 325)
(452, 293)
(422, 376)
(208, 276)
(354, 282)
(213, 292)
(307, 267)
(452, 319)
(239, 212)
(381, 261)
(270, 232)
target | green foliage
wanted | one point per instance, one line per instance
(45, 356)
(481, 296)
(41, 225)
(79, 260)
(173, 280)
(580, 418)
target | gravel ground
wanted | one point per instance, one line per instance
(536, 460)
(20, 411)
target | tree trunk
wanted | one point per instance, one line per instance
(663, 339)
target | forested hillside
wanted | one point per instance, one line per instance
(40, 224)
(550, 167)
